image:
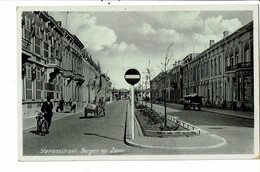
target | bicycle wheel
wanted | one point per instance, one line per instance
(38, 125)
(44, 127)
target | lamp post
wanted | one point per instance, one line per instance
(89, 88)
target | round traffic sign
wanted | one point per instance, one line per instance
(132, 76)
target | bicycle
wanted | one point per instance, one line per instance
(42, 124)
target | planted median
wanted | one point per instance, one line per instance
(152, 124)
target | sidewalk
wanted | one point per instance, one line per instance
(247, 115)
(203, 141)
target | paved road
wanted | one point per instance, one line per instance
(238, 132)
(105, 136)
(87, 136)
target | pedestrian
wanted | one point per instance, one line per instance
(103, 106)
(73, 106)
(47, 110)
(61, 105)
(69, 102)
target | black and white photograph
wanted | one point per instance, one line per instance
(138, 82)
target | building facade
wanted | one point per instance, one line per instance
(54, 63)
(222, 74)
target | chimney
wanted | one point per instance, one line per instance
(211, 42)
(225, 34)
(59, 23)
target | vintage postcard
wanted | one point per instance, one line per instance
(138, 82)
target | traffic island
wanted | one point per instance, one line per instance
(152, 125)
(201, 140)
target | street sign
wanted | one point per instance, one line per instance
(132, 76)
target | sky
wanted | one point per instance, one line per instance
(139, 39)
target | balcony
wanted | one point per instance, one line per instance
(78, 77)
(68, 74)
(231, 68)
(53, 63)
(244, 65)
(239, 66)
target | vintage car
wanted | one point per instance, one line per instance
(192, 101)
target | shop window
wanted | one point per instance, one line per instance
(220, 91)
(239, 89)
(234, 81)
(247, 88)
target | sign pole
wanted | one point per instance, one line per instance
(133, 113)
(132, 76)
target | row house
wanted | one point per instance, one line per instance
(54, 63)
(222, 74)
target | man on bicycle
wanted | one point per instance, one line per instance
(47, 110)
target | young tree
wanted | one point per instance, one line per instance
(149, 74)
(164, 68)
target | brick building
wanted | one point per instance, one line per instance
(222, 74)
(54, 63)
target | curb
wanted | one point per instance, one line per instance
(138, 127)
(130, 143)
(222, 113)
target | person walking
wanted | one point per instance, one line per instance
(47, 110)
(103, 106)
(61, 105)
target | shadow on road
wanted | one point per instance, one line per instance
(88, 117)
(93, 134)
(36, 132)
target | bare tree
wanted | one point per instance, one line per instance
(149, 74)
(165, 67)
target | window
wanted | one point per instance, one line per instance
(37, 46)
(28, 89)
(211, 68)
(236, 58)
(246, 54)
(215, 66)
(45, 49)
(37, 31)
(27, 23)
(232, 60)
(220, 65)
(198, 72)
(207, 68)
(226, 61)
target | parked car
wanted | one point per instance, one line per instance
(192, 101)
